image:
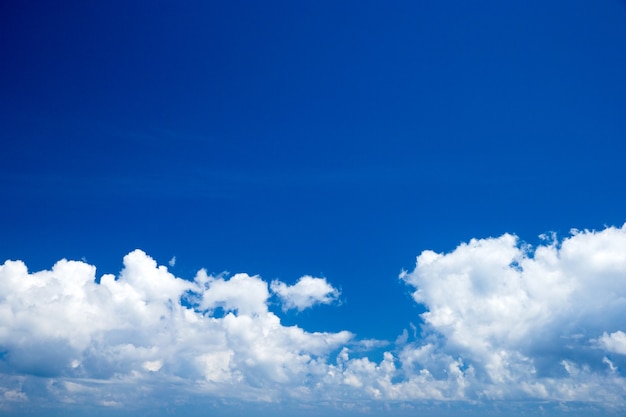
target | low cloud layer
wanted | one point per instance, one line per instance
(504, 321)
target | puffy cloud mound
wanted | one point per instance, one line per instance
(148, 325)
(539, 321)
(503, 321)
(614, 342)
(305, 293)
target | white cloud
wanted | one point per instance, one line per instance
(242, 293)
(172, 261)
(614, 342)
(305, 293)
(525, 318)
(152, 366)
(504, 321)
(148, 325)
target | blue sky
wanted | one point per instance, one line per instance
(334, 140)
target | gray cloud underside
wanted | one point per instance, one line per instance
(504, 321)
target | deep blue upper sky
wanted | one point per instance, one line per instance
(336, 139)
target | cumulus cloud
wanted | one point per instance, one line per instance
(305, 293)
(147, 324)
(503, 321)
(614, 342)
(526, 319)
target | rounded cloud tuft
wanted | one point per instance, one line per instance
(305, 293)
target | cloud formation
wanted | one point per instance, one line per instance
(148, 324)
(305, 293)
(527, 320)
(504, 321)
(614, 342)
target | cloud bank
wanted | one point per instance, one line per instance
(504, 321)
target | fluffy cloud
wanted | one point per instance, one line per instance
(614, 342)
(503, 321)
(148, 325)
(529, 321)
(305, 293)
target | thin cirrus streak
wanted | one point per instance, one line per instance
(504, 321)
